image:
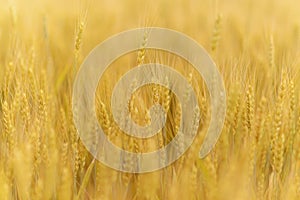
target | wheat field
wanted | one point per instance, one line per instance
(256, 47)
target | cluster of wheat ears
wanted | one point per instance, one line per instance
(256, 46)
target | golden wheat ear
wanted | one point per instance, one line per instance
(215, 126)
